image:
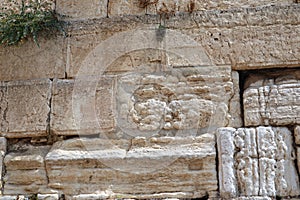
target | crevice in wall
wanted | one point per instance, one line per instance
(107, 9)
(49, 132)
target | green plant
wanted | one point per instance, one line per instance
(26, 18)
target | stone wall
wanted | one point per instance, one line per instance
(155, 99)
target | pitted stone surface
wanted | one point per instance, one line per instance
(257, 162)
(273, 101)
(25, 108)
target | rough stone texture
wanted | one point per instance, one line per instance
(154, 165)
(25, 108)
(25, 172)
(257, 162)
(48, 197)
(91, 118)
(182, 99)
(273, 101)
(227, 37)
(297, 135)
(29, 61)
(194, 99)
(81, 10)
(135, 7)
(298, 158)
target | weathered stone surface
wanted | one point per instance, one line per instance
(273, 100)
(135, 7)
(124, 7)
(297, 135)
(257, 162)
(29, 61)
(194, 99)
(48, 197)
(227, 37)
(92, 118)
(25, 108)
(162, 165)
(79, 10)
(182, 99)
(25, 171)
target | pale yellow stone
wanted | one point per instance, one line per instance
(79, 10)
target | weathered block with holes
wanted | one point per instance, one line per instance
(257, 162)
(272, 100)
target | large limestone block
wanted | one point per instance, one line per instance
(154, 165)
(25, 108)
(195, 99)
(273, 100)
(28, 61)
(74, 112)
(80, 10)
(257, 162)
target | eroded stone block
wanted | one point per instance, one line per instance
(261, 162)
(75, 169)
(80, 10)
(273, 100)
(25, 108)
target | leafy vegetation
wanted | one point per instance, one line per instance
(22, 19)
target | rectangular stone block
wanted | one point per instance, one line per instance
(260, 161)
(81, 10)
(273, 100)
(28, 61)
(158, 165)
(25, 108)
(78, 109)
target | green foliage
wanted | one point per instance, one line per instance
(26, 19)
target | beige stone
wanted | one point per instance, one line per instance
(273, 101)
(134, 7)
(75, 111)
(25, 171)
(257, 162)
(80, 10)
(158, 167)
(124, 7)
(28, 61)
(25, 108)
